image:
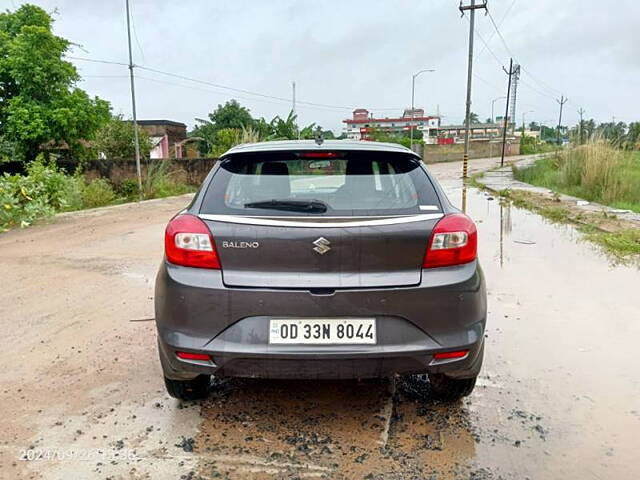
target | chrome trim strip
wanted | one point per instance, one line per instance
(313, 222)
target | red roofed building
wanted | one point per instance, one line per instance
(363, 121)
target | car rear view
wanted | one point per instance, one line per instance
(331, 260)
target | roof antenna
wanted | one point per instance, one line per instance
(319, 138)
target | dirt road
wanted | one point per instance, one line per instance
(81, 394)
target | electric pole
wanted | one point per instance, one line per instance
(472, 7)
(509, 72)
(581, 128)
(133, 106)
(562, 101)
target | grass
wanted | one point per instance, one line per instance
(46, 190)
(624, 242)
(596, 172)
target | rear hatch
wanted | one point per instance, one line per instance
(321, 219)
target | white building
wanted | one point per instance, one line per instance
(363, 122)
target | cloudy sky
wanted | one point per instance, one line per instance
(347, 54)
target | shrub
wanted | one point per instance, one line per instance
(160, 182)
(42, 192)
(98, 193)
(129, 188)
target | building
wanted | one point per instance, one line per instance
(477, 131)
(167, 137)
(363, 122)
(527, 133)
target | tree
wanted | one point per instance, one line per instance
(232, 123)
(613, 132)
(229, 115)
(286, 129)
(39, 101)
(473, 118)
(633, 136)
(115, 139)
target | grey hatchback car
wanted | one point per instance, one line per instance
(320, 260)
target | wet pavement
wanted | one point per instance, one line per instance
(558, 396)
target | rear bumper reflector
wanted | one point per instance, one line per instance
(448, 355)
(192, 356)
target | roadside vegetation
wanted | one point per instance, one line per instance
(46, 190)
(597, 172)
(618, 237)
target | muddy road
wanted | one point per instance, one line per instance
(81, 394)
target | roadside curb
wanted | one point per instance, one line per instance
(107, 208)
(501, 178)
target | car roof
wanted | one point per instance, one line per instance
(276, 146)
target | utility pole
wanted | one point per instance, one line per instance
(562, 101)
(136, 139)
(581, 128)
(509, 72)
(413, 99)
(472, 7)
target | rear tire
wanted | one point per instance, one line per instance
(449, 389)
(188, 389)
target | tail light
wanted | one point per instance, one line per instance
(454, 241)
(188, 242)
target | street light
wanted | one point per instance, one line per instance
(493, 119)
(523, 114)
(413, 98)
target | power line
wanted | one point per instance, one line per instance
(232, 89)
(94, 60)
(539, 92)
(500, 24)
(135, 34)
(504, 43)
(540, 82)
(240, 90)
(223, 93)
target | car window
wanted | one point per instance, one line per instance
(344, 183)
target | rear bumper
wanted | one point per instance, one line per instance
(195, 312)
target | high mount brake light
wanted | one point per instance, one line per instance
(188, 242)
(454, 241)
(319, 155)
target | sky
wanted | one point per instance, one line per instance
(356, 54)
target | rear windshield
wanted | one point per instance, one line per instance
(303, 183)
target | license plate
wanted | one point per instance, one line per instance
(323, 331)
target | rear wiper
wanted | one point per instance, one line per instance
(309, 206)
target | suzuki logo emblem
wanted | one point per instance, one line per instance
(322, 245)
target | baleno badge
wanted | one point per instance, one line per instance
(322, 245)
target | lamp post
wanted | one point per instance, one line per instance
(523, 114)
(493, 119)
(413, 98)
